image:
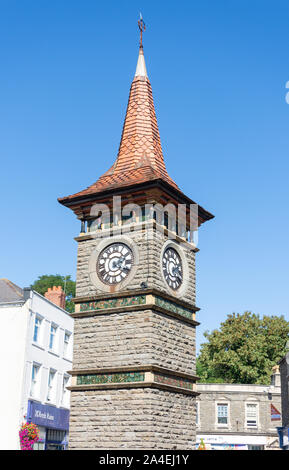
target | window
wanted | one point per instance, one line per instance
(34, 380)
(95, 224)
(166, 220)
(51, 385)
(53, 330)
(251, 415)
(55, 435)
(182, 230)
(64, 390)
(37, 328)
(39, 446)
(222, 413)
(66, 344)
(128, 218)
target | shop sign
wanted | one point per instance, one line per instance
(231, 440)
(275, 414)
(48, 416)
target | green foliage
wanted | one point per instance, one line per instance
(49, 280)
(243, 350)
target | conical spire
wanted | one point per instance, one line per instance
(140, 158)
(140, 145)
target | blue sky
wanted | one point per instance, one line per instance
(218, 72)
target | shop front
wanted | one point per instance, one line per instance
(53, 424)
(232, 442)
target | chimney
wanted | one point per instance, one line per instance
(56, 295)
(275, 377)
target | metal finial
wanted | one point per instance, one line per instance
(142, 28)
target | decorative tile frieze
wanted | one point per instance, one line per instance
(113, 303)
(173, 307)
(121, 377)
(174, 381)
(131, 302)
(146, 377)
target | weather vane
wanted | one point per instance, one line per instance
(142, 27)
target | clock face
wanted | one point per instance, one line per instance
(114, 263)
(172, 268)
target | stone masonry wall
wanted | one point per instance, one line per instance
(236, 396)
(133, 418)
(149, 243)
(284, 371)
(140, 418)
(134, 338)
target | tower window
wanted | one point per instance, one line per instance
(95, 224)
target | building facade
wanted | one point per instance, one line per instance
(36, 344)
(238, 416)
(284, 428)
(134, 383)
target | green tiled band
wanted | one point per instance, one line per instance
(174, 382)
(123, 377)
(172, 307)
(113, 303)
(132, 301)
(135, 377)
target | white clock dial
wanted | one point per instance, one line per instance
(114, 263)
(172, 268)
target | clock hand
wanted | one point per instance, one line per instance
(121, 264)
(176, 272)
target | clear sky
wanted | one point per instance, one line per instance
(218, 70)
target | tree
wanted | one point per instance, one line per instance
(243, 350)
(49, 280)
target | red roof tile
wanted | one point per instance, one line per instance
(140, 158)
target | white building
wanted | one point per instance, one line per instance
(36, 338)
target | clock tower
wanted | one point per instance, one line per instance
(133, 378)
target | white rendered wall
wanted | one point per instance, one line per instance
(41, 354)
(14, 320)
(18, 352)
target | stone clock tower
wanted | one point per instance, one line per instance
(133, 378)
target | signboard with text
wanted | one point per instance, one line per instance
(48, 416)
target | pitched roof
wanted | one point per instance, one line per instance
(140, 158)
(10, 292)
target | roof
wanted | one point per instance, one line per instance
(10, 292)
(140, 158)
